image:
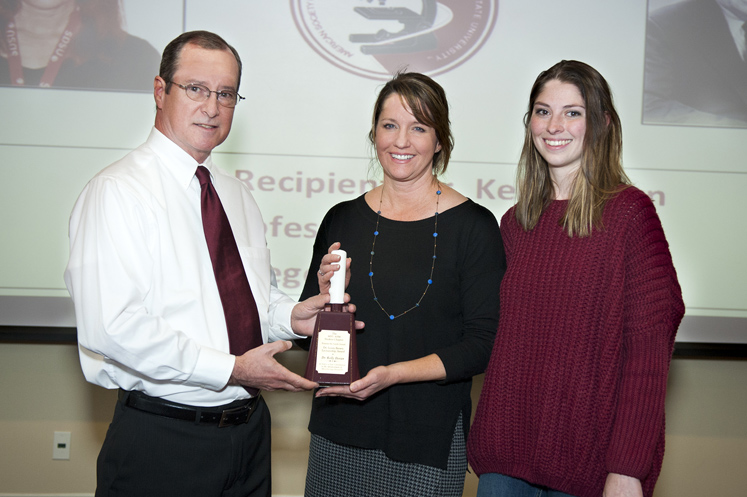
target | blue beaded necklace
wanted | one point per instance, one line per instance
(433, 264)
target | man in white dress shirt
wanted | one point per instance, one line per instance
(150, 318)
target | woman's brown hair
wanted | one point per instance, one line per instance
(427, 101)
(601, 173)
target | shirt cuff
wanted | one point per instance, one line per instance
(213, 369)
(280, 324)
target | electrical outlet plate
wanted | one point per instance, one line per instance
(61, 447)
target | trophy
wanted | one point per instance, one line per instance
(333, 357)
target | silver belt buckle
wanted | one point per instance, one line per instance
(230, 417)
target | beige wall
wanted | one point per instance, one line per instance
(42, 391)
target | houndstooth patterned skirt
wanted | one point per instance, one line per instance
(345, 471)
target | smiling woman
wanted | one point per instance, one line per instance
(590, 307)
(558, 124)
(429, 298)
(571, 125)
(405, 146)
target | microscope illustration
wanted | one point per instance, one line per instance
(417, 30)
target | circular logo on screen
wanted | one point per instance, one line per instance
(375, 38)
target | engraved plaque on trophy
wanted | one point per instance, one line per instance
(333, 357)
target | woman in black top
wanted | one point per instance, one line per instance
(425, 278)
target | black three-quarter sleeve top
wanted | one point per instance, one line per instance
(457, 320)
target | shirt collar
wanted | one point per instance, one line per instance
(179, 163)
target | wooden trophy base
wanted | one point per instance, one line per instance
(333, 356)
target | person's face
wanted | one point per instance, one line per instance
(736, 7)
(197, 127)
(558, 125)
(404, 146)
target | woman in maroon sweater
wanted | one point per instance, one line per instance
(573, 400)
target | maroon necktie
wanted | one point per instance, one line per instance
(242, 319)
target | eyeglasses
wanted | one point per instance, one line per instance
(200, 93)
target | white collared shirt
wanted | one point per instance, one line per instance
(147, 306)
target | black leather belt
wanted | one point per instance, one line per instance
(232, 414)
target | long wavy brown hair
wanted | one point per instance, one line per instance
(601, 173)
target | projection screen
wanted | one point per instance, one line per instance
(312, 69)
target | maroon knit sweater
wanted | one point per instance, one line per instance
(576, 382)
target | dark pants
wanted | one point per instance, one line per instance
(149, 455)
